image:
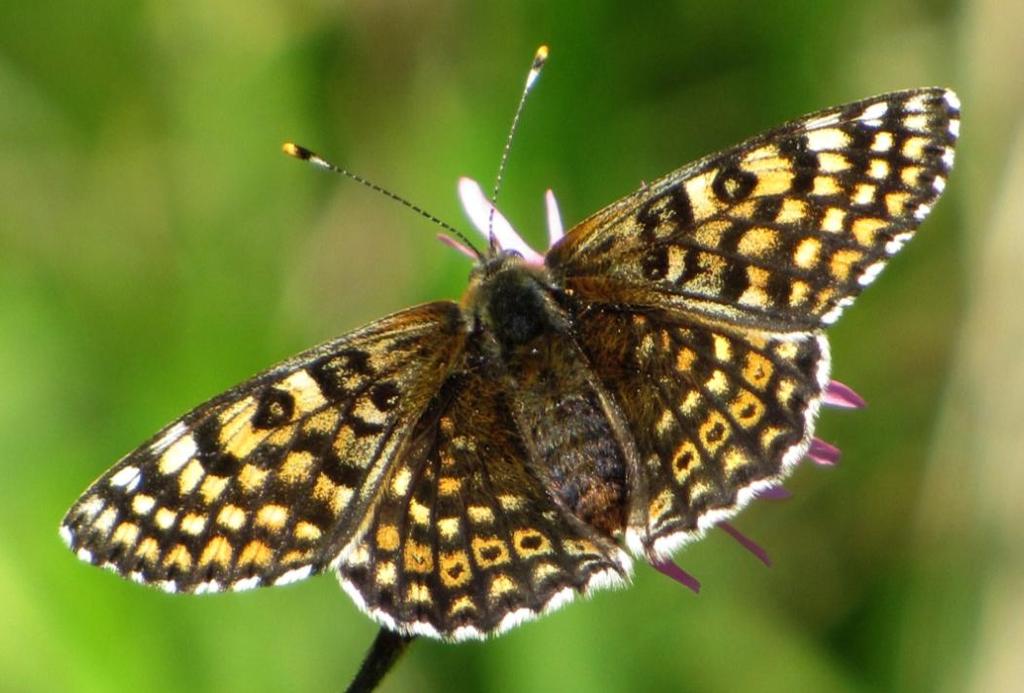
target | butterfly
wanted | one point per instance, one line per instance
(463, 467)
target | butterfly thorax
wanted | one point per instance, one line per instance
(522, 337)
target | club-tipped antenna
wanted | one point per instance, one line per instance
(539, 58)
(303, 154)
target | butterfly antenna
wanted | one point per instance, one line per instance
(539, 59)
(303, 154)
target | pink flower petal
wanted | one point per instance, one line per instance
(823, 453)
(746, 542)
(555, 228)
(678, 574)
(479, 210)
(842, 396)
(452, 243)
(774, 493)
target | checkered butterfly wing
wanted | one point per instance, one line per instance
(701, 297)
(268, 482)
(465, 541)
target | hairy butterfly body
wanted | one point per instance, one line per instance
(463, 467)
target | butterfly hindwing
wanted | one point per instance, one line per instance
(781, 232)
(265, 483)
(465, 541)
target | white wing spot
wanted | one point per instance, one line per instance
(948, 156)
(874, 111)
(952, 99)
(870, 273)
(65, 535)
(922, 211)
(294, 575)
(245, 583)
(175, 457)
(939, 184)
(954, 127)
(85, 555)
(126, 476)
(164, 441)
(897, 242)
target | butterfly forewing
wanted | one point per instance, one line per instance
(267, 482)
(779, 233)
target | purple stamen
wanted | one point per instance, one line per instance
(774, 493)
(842, 396)
(676, 573)
(746, 542)
(823, 453)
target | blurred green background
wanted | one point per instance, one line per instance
(156, 248)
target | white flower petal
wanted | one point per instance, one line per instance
(478, 209)
(555, 228)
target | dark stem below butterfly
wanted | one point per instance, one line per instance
(385, 651)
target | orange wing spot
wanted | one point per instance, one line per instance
(501, 584)
(865, 230)
(165, 518)
(718, 383)
(418, 557)
(833, 220)
(735, 458)
(105, 522)
(878, 168)
(757, 370)
(842, 262)
(386, 574)
(832, 162)
(787, 350)
(148, 550)
(511, 502)
(295, 556)
(769, 435)
(807, 250)
(778, 182)
(193, 523)
(419, 593)
(685, 360)
(759, 242)
(321, 422)
(419, 513)
(544, 570)
(231, 516)
(910, 175)
(864, 194)
(746, 408)
(480, 514)
(212, 487)
(218, 550)
(272, 516)
(461, 604)
(684, 459)
(252, 478)
(714, 432)
(449, 528)
(785, 390)
(579, 547)
(178, 557)
(529, 543)
(387, 538)
(896, 203)
(329, 493)
(189, 477)
(489, 551)
(661, 505)
(690, 402)
(455, 570)
(792, 210)
(296, 467)
(913, 148)
(799, 292)
(449, 486)
(256, 553)
(307, 531)
(126, 534)
(825, 186)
